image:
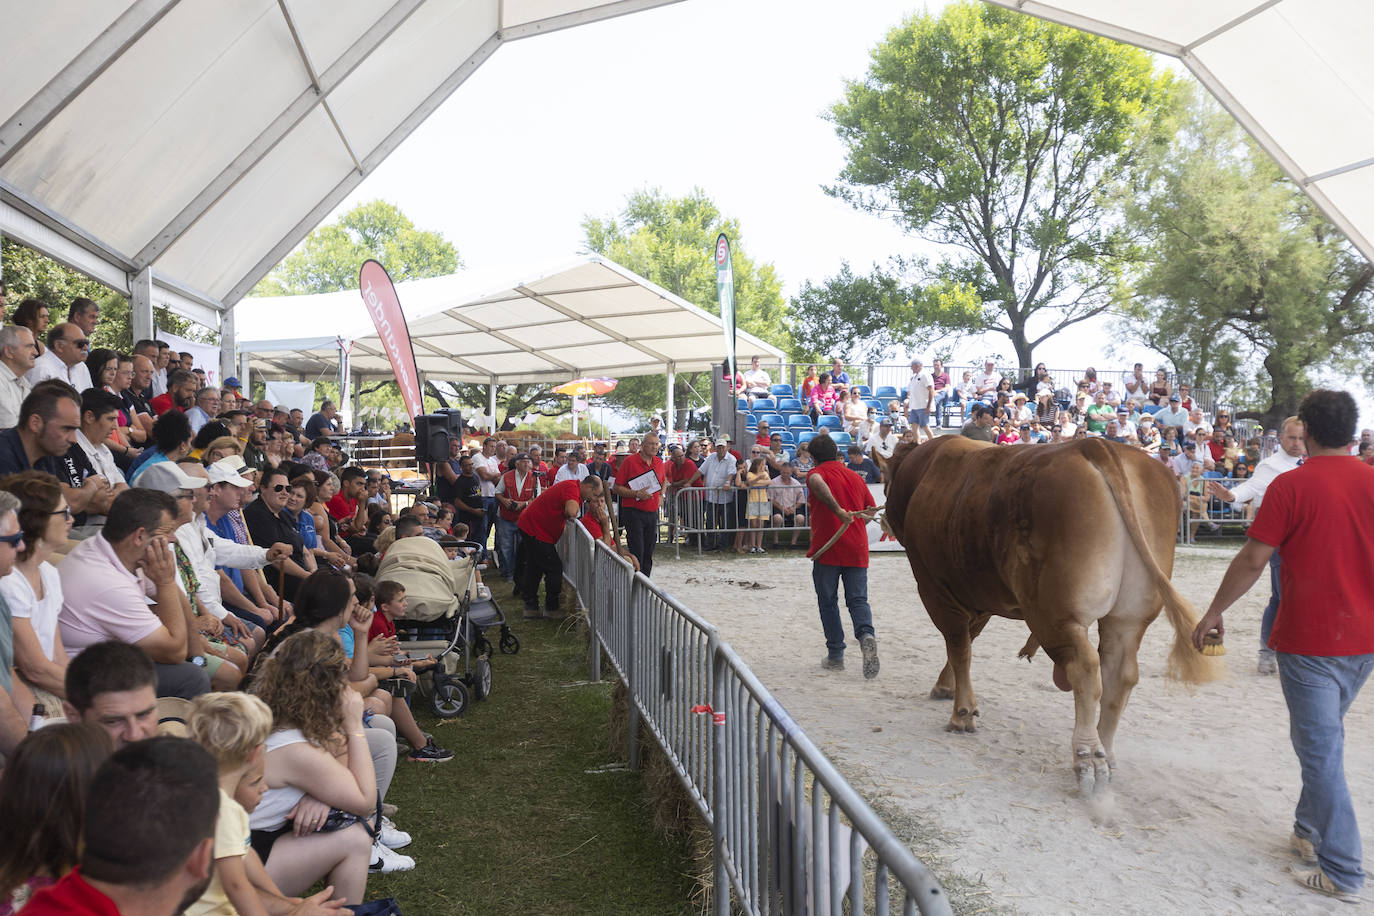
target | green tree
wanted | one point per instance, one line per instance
(1006, 141)
(669, 241)
(331, 256)
(1246, 285)
(29, 274)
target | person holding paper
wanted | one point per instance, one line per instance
(639, 484)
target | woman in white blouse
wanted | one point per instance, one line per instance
(33, 592)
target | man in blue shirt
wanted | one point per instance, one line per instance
(863, 466)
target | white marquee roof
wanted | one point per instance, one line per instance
(204, 138)
(588, 318)
(1297, 74)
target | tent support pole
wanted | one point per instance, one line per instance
(141, 304)
(228, 343)
(357, 396)
(670, 420)
(491, 407)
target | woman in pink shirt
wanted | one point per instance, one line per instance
(823, 397)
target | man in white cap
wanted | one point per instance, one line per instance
(205, 550)
(244, 590)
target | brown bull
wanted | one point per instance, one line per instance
(1061, 536)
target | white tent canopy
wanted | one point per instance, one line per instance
(589, 317)
(177, 149)
(1297, 74)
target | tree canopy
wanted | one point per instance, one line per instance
(669, 241)
(1246, 286)
(1005, 141)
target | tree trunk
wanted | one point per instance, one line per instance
(1285, 390)
(1025, 354)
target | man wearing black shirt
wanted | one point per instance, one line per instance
(446, 473)
(467, 496)
(600, 466)
(322, 423)
(48, 420)
(269, 523)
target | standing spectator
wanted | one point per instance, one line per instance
(715, 472)
(445, 472)
(639, 484)
(839, 550)
(920, 397)
(42, 805)
(1291, 452)
(838, 377)
(321, 423)
(467, 496)
(64, 359)
(17, 353)
(1136, 386)
(679, 471)
(1320, 517)
(573, 468)
(514, 493)
(541, 525)
(808, 383)
(757, 384)
(758, 507)
(488, 469)
(599, 465)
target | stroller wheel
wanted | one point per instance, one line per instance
(510, 643)
(450, 698)
(480, 679)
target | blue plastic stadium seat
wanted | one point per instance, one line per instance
(886, 391)
(787, 437)
(782, 391)
(805, 437)
(788, 406)
(843, 440)
(875, 404)
(774, 421)
(799, 421)
(1152, 408)
(743, 404)
(764, 405)
(901, 395)
(831, 421)
(865, 390)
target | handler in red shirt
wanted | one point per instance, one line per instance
(541, 525)
(639, 506)
(1320, 518)
(836, 494)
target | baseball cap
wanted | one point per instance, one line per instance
(224, 471)
(168, 478)
(1174, 397)
(1190, 444)
(885, 422)
(523, 456)
(231, 382)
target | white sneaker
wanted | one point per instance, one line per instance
(1268, 662)
(385, 861)
(390, 837)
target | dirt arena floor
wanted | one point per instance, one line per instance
(1205, 785)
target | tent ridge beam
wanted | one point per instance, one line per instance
(1338, 170)
(510, 342)
(438, 352)
(79, 73)
(1094, 26)
(280, 128)
(353, 179)
(1228, 26)
(568, 20)
(594, 325)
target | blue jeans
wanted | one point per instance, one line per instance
(827, 582)
(507, 535)
(942, 400)
(1271, 610)
(1318, 691)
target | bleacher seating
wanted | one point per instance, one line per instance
(743, 404)
(763, 405)
(805, 437)
(774, 420)
(787, 437)
(875, 404)
(789, 406)
(842, 440)
(865, 390)
(799, 421)
(831, 421)
(782, 390)
(886, 391)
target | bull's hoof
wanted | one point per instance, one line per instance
(962, 721)
(941, 693)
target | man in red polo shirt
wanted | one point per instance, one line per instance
(347, 507)
(180, 394)
(541, 525)
(639, 484)
(149, 836)
(1320, 518)
(836, 494)
(679, 472)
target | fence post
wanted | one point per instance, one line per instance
(720, 882)
(594, 648)
(632, 673)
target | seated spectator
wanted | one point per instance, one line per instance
(1046, 410)
(65, 358)
(33, 592)
(802, 463)
(1006, 433)
(757, 384)
(206, 408)
(788, 497)
(171, 442)
(255, 449)
(1135, 387)
(17, 353)
(317, 761)
(149, 833)
(304, 495)
(378, 518)
(49, 420)
(824, 397)
(987, 383)
(214, 434)
(322, 423)
(113, 686)
(1160, 391)
(966, 391)
(1113, 397)
(12, 727)
(1089, 381)
(348, 507)
(1172, 414)
(1097, 416)
(43, 805)
(1020, 412)
(764, 434)
(897, 417)
(942, 386)
(980, 424)
(881, 444)
(180, 394)
(107, 579)
(838, 377)
(1125, 422)
(33, 315)
(317, 455)
(1147, 436)
(867, 427)
(90, 455)
(1196, 422)
(234, 727)
(269, 523)
(862, 465)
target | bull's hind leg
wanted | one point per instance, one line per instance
(1083, 671)
(1117, 648)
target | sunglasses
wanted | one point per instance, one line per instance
(281, 488)
(65, 510)
(13, 540)
(83, 343)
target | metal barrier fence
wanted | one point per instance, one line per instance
(692, 516)
(1200, 509)
(790, 835)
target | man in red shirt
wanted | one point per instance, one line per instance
(1320, 518)
(639, 484)
(149, 836)
(541, 525)
(347, 506)
(678, 473)
(180, 394)
(763, 434)
(836, 495)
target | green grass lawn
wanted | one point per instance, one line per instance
(515, 823)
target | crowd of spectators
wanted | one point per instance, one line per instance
(166, 542)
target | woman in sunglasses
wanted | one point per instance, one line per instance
(34, 592)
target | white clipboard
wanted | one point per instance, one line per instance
(647, 481)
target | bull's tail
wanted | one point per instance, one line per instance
(1186, 664)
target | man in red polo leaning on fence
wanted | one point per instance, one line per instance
(541, 525)
(639, 484)
(839, 550)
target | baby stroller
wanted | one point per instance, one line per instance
(446, 619)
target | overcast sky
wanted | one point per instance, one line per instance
(725, 95)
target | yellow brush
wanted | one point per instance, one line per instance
(1211, 644)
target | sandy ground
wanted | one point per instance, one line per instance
(1205, 785)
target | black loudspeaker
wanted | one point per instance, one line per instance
(431, 438)
(453, 418)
